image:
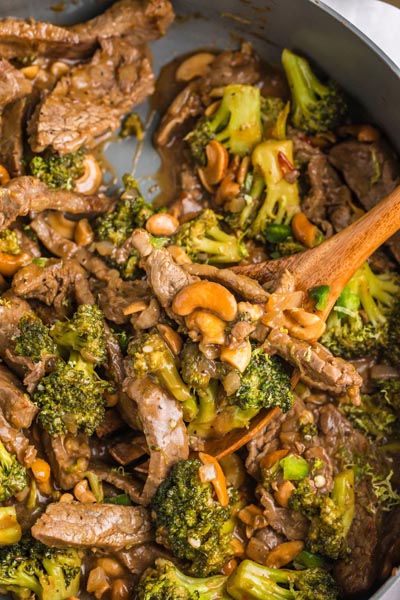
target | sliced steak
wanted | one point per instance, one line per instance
(58, 283)
(163, 426)
(14, 84)
(357, 572)
(138, 558)
(15, 405)
(12, 309)
(106, 526)
(92, 98)
(122, 481)
(68, 456)
(143, 21)
(11, 137)
(293, 525)
(164, 275)
(15, 441)
(317, 366)
(371, 170)
(21, 38)
(248, 288)
(329, 201)
(24, 194)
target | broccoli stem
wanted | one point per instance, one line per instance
(222, 247)
(251, 581)
(344, 498)
(169, 377)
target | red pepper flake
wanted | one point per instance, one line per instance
(285, 165)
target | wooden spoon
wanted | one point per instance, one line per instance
(335, 261)
(332, 263)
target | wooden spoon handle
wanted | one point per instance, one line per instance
(335, 261)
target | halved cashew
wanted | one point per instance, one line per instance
(171, 337)
(61, 224)
(84, 234)
(238, 358)
(162, 224)
(30, 71)
(307, 326)
(11, 263)
(283, 554)
(179, 255)
(217, 163)
(227, 190)
(4, 175)
(363, 132)
(135, 307)
(211, 327)
(194, 66)
(208, 295)
(283, 493)
(253, 311)
(59, 68)
(92, 176)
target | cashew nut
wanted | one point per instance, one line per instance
(217, 163)
(171, 337)
(284, 553)
(59, 68)
(84, 234)
(238, 358)
(11, 263)
(283, 493)
(4, 175)
(194, 66)
(162, 224)
(179, 255)
(211, 327)
(135, 307)
(92, 176)
(65, 227)
(30, 71)
(208, 295)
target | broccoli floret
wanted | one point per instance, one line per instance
(190, 521)
(251, 581)
(316, 107)
(281, 201)
(204, 241)
(330, 515)
(263, 384)
(9, 243)
(236, 123)
(132, 126)
(151, 356)
(83, 333)
(59, 171)
(359, 321)
(50, 573)
(13, 475)
(165, 581)
(34, 339)
(129, 212)
(271, 108)
(372, 416)
(70, 399)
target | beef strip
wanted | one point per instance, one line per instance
(14, 84)
(15, 441)
(261, 543)
(124, 482)
(11, 137)
(264, 442)
(318, 367)
(143, 21)
(106, 526)
(163, 426)
(293, 525)
(138, 558)
(68, 456)
(24, 194)
(246, 287)
(356, 573)
(92, 98)
(329, 201)
(15, 405)
(12, 309)
(164, 275)
(58, 284)
(371, 170)
(22, 38)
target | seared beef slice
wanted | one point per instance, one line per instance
(92, 98)
(107, 526)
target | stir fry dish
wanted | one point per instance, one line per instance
(171, 429)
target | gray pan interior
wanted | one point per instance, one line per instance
(306, 25)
